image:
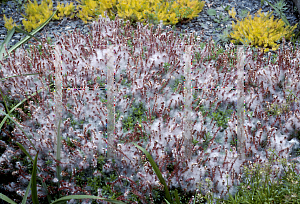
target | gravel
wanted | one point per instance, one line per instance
(204, 22)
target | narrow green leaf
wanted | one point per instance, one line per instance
(7, 116)
(26, 193)
(5, 198)
(66, 198)
(279, 12)
(30, 35)
(176, 197)
(33, 179)
(156, 169)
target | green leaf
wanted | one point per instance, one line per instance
(225, 19)
(33, 179)
(66, 198)
(156, 169)
(211, 12)
(5, 198)
(279, 12)
(227, 8)
(216, 20)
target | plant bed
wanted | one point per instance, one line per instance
(146, 118)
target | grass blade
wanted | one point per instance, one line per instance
(30, 35)
(156, 169)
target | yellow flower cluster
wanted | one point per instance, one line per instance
(95, 8)
(232, 12)
(133, 10)
(260, 31)
(37, 14)
(157, 10)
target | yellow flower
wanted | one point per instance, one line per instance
(232, 12)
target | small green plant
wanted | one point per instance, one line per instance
(166, 67)
(220, 18)
(221, 117)
(259, 189)
(206, 140)
(244, 13)
(136, 114)
(275, 110)
(176, 84)
(102, 181)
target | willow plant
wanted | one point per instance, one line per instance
(58, 114)
(32, 185)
